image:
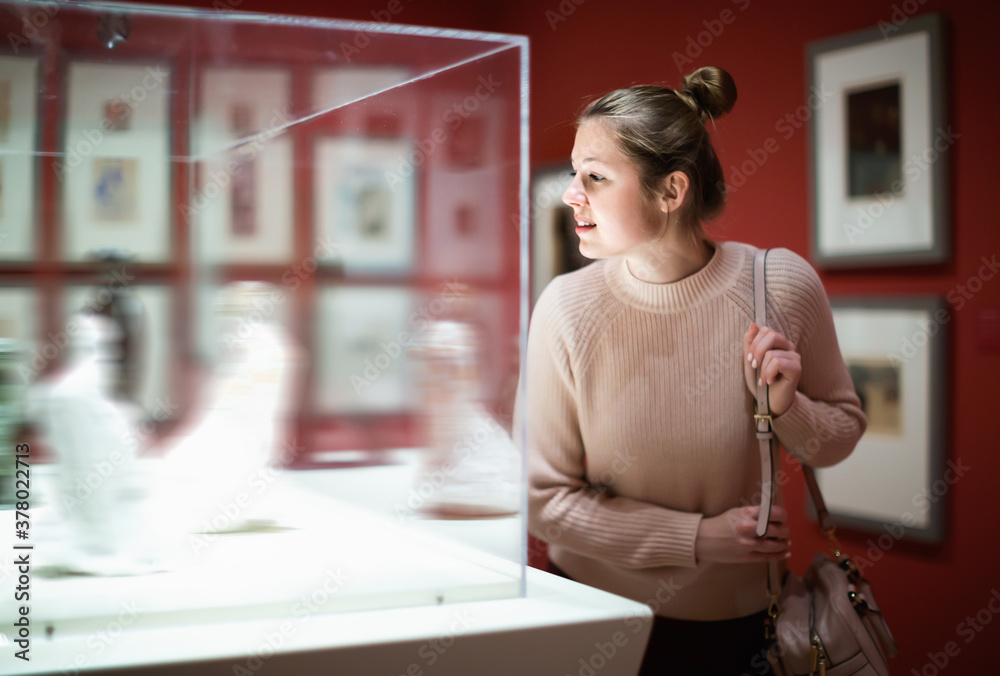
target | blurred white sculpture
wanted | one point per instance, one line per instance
(93, 438)
(117, 521)
(211, 473)
(471, 467)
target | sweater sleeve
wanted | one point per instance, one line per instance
(825, 420)
(564, 508)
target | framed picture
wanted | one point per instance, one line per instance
(897, 480)
(879, 146)
(114, 171)
(361, 365)
(469, 221)
(243, 204)
(555, 246)
(364, 205)
(19, 92)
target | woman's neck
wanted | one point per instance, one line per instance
(669, 260)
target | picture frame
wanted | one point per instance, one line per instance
(898, 478)
(467, 223)
(244, 200)
(878, 142)
(19, 138)
(361, 365)
(114, 173)
(555, 246)
(364, 205)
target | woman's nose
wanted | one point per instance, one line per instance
(574, 195)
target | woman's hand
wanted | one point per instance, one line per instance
(731, 537)
(780, 366)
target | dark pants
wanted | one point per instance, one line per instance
(690, 648)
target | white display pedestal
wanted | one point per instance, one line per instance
(338, 589)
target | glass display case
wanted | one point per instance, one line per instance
(266, 279)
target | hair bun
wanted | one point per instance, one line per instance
(712, 89)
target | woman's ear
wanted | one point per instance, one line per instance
(673, 189)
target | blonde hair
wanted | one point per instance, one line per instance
(663, 131)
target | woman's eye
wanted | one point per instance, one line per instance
(595, 177)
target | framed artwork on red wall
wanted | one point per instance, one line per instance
(114, 172)
(243, 203)
(898, 479)
(364, 205)
(879, 142)
(18, 145)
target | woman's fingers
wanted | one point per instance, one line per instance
(779, 363)
(765, 340)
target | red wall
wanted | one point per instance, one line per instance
(927, 592)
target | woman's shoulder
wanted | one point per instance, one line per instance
(575, 300)
(573, 290)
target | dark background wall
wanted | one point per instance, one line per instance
(583, 49)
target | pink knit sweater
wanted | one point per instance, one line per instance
(639, 421)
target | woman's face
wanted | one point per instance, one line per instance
(613, 215)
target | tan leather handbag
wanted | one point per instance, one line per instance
(826, 622)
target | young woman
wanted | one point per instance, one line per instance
(644, 465)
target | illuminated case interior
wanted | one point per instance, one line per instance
(371, 179)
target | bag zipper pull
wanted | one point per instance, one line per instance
(817, 656)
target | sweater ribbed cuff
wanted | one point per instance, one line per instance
(794, 429)
(674, 540)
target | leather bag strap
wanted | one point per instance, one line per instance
(765, 434)
(762, 420)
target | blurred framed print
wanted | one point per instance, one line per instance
(365, 204)
(897, 479)
(19, 134)
(114, 168)
(879, 146)
(244, 201)
(362, 365)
